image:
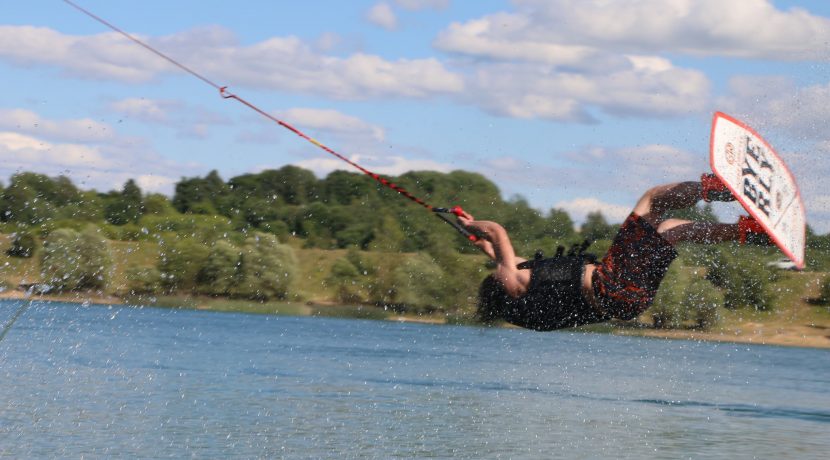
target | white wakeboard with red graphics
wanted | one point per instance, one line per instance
(760, 180)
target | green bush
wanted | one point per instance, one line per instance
(668, 311)
(180, 262)
(746, 281)
(143, 280)
(221, 272)
(420, 284)
(701, 300)
(344, 277)
(23, 245)
(76, 260)
(267, 268)
(200, 227)
(824, 294)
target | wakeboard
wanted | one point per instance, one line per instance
(761, 182)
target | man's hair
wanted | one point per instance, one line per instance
(493, 300)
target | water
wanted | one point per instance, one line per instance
(92, 382)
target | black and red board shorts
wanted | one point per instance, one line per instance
(628, 276)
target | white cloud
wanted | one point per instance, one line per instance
(579, 208)
(386, 165)
(101, 56)
(521, 69)
(80, 130)
(156, 111)
(156, 183)
(19, 150)
(794, 120)
(333, 121)
(524, 90)
(101, 162)
(381, 14)
(187, 121)
(644, 166)
(745, 28)
(558, 59)
(100, 167)
(423, 4)
(775, 103)
(279, 63)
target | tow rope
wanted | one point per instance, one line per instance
(223, 91)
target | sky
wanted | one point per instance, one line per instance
(573, 104)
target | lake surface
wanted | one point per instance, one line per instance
(97, 381)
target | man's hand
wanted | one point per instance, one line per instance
(479, 229)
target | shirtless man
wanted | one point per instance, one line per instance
(571, 290)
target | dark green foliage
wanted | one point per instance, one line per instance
(685, 299)
(143, 280)
(221, 273)
(745, 280)
(419, 284)
(596, 227)
(156, 204)
(267, 268)
(180, 263)
(33, 199)
(125, 207)
(190, 192)
(345, 279)
(344, 188)
(558, 225)
(824, 293)
(667, 311)
(701, 300)
(76, 260)
(199, 227)
(388, 236)
(23, 245)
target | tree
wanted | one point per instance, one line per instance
(388, 236)
(23, 245)
(824, 294)
(596, 227)
(267, 268)
(702, 302)
(88, 207)
(343, 187)
(558, 225)
(143, 280)
(420, 284)
(28, 199)
(221, 272)
(158, 205)
(344, 277)
(745, 280)
(180, 262)
(125, 207)
(76, 260)
(195, 190)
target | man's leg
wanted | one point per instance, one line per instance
(678, 230)
(658, 200)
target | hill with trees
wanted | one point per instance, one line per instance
(285, 234)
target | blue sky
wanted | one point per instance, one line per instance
(574, 104)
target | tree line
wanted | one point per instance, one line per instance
(228, 238)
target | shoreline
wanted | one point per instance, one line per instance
(755, 333)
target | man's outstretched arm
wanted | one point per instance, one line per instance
(494, 241)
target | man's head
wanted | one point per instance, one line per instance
(493, 300)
